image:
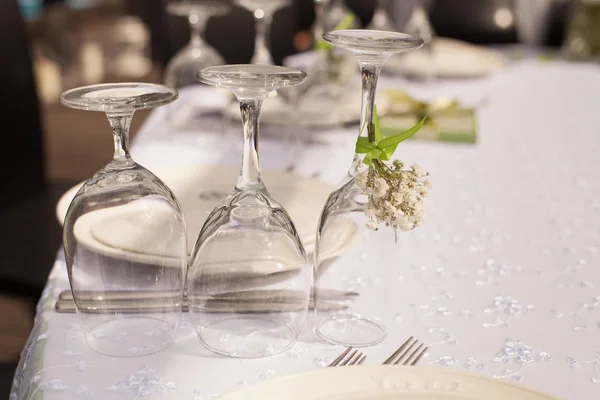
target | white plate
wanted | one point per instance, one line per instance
(313, 110)
(451, 58)
(385, 382)
(199, 189)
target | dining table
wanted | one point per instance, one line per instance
(502, 279)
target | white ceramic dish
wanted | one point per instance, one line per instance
(451, 59)
(198, 190)
(385, 382)
(313, 110)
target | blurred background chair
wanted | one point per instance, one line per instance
(29, 233)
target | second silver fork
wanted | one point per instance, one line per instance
(405, 355)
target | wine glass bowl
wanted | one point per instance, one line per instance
(249, 282)
(124, 235)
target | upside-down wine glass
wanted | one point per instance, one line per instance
(249, 282)
(420, 26)
(369, 257)
(381, 19)
(197, 54)
(263, 11)
(124, 236)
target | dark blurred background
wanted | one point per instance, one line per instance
(52, 45)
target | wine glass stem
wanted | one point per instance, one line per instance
(261, 48)
(120, 123)
(370, 74)
(250, 176)
(197, 23)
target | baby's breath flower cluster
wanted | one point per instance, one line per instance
(395, 194)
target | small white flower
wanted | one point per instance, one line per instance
(379, 192)
(361, 180)
(398, 214)
(418, 170)
(405, 224)
(427, 184)
(371, 212)
(380, 187)
(411, 197)
(389, 206)
(372, 225)
(418, 207)
(422, 190)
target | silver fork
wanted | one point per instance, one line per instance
(347, 358)
(399, 357)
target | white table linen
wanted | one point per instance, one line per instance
(503, 278)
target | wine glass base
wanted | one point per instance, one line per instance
(247, 337)
(130, 336)
(118, 97)
(350, 330)
(248, 78)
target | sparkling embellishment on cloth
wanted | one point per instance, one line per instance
(504, 308)
(198, 395)
(267, 374)
(445, 361)
(515, 352)
(44, 335)
(473, 363)
(494, 270)
(595, 365)
(295, 351)
(323, 361)
(585, 316)
(143, 382)
(59, 385)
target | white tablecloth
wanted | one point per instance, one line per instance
(503, 279)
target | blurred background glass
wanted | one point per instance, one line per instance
(196, 55)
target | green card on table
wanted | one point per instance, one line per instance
(447, 121)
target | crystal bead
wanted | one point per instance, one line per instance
(57, 384)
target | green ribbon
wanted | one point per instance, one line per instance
(382, 148)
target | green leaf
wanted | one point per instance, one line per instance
(378, 135)
(361, 149)
(394, 140)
